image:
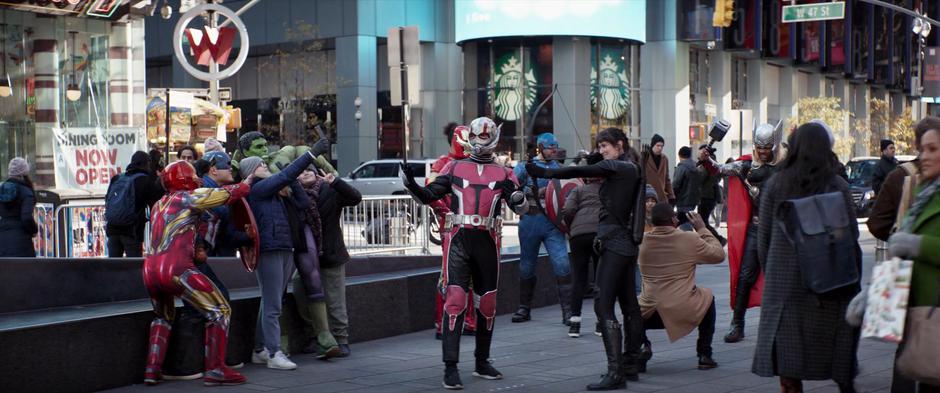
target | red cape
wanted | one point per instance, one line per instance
(739, 217)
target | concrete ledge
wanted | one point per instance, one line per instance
(88, 347)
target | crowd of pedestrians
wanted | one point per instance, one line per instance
(644, 233)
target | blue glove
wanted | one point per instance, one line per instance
(904, 245)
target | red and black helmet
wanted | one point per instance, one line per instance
(180, 176)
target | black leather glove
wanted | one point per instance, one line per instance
(321, 147)
(534, 170)
(408, 174)
(672, 201)
(507, 186)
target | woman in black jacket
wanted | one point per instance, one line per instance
(618, 261)
(17, 201)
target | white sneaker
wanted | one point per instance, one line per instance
(281, 362)
(260, 357)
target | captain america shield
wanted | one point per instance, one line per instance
(555, 194)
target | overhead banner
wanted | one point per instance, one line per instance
(87, 158)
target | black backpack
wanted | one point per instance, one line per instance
(821, 232)
(120, 203)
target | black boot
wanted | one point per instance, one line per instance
(646, 353)
(526, 290)
(452, 377)
(631, 366)
(736, 333)
(704, 351)
(564, 298)
(613, 342)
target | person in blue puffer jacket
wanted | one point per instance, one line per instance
(269, 199)
(17, 201)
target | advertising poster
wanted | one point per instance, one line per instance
(156, 119)
(44, 242)
(181, 116)
(86, 237)
(87, 158)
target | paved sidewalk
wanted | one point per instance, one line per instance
(537, 356)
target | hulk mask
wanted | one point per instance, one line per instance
(259, 148)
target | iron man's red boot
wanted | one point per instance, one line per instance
(156, 351)
(217, 373)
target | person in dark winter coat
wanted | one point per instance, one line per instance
(17, 226)
(687, 184)
(802, 335)
(711, 196)
(885, 165)
(128, 240)
(334, 195)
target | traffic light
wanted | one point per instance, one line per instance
(724, 13)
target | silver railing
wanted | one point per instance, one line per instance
(386, 224)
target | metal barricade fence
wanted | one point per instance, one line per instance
(386, 224)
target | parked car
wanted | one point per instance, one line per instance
(380, 177)
(860, 171)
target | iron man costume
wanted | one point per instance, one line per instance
(471, 237)
(169, 271)
(441, 208)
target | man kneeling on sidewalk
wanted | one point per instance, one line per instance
(670, 299)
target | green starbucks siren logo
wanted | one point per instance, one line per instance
(511, 92)
(611, 91)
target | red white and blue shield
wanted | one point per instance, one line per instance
(555, 194)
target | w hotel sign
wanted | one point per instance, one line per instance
(209, 45)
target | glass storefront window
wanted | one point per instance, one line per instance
(512, 78)
(615, 88)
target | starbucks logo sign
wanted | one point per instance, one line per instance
(611, 87)
(514, 87)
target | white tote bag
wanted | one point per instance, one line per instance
(888, 293)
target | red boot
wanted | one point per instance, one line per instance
(159, 337)
(217, 373)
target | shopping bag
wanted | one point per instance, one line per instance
(920, 358)
(888, 292)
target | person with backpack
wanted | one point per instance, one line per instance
(129, 195)
(803, 334)
(17, 201)
(619, 233)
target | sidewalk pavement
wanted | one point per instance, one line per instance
(538, 356)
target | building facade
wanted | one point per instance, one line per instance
(572, 68)
(66, 65)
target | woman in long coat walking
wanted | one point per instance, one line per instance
(802, 335)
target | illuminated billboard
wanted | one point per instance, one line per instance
(475, 19)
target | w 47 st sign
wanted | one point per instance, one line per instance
(813, 12)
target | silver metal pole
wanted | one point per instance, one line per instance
(902, 10)
(241, 11)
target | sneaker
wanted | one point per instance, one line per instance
(327, 353)
(344, 351)
(452, 379)
(574, 331)
(236, 365)
(311, 347)
(152, 377)
(597, 329)
(486, 371)
(188, 377)
(260, 357)
(280, 362)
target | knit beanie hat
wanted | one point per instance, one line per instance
(885, 143)
(19, 167)
(248, 165)
(213, 145)
(657, 139)
(651, 192)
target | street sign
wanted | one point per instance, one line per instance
(813, 12)
(225, 93)
(711, 110)
(404, 50)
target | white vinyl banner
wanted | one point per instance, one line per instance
(87, 158)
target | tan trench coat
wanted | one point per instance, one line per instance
(668, 258)
(658, 178)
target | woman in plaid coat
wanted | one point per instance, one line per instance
(802, 335)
